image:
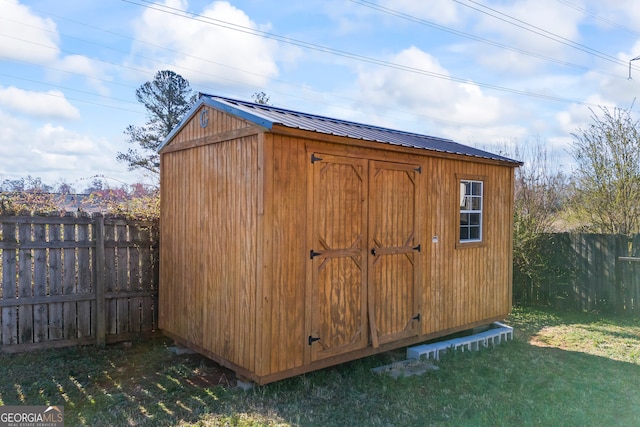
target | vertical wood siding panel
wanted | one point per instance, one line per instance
(146, 281)
(69, 284)
(55, 283)
(122, 277)
(9, 288)
(219, 122)
(289, 218)
(85, 284)
(134, 278)
(263, 363)
(482, 279)
(25, 284)
(110, 275)
(40, 311)
(210, 269)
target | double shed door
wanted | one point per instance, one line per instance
(364, 263)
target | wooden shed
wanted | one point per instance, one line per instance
(291, 242)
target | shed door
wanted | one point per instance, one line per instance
(363, 244)
(393, 246)
(339, 254)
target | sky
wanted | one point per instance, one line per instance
(493, 74)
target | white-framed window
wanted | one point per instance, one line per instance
(471, 192)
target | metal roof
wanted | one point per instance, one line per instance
(268, 116)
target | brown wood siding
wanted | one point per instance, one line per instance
(240, 216)
(208, 255)
(469, 282)
(283, 301)
(395, 196)
(450, 296)
(218, 123)
(339, 281)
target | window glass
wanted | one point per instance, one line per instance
(471, 210)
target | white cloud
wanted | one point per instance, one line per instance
(50, 104)
(545, 28)
(196, 48)
(26, 36)
(544, 17)
(52, 152)
(435, 98)
(440, 11)
(622, 12)
(84, 66)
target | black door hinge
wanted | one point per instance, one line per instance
(417, 248)
(416, 317)
(313, 254)
(313, 339)
(314, 158)
(418, 169)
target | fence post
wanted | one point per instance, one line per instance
(101, 311)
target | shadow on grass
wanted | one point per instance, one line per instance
(144, 384)
(513, 384)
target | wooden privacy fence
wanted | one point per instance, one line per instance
(76, 279)
(585, 272)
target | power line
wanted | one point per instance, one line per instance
(341, 53)
(324, 49)
(224, 24)
(439, 119)
(539, 31)
(215, 76)
(412, 18)
(126, 52)
(599, 17)
(66, 88)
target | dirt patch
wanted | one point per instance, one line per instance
(207, 373)
(406, 368)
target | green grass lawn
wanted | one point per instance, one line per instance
(562, 369)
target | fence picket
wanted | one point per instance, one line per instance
(40, 311)
(69, 309)
(146, 280)
(110, 276)
(122, 263)
(134, 278)
(55, 283)
(25, 284)
(84, 311)
(10, 313)
(75, 279)
(587, 272)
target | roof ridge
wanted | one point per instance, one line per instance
(324, 118)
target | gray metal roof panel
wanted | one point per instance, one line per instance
(267, 116)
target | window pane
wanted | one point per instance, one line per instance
(474, 219)
(464, 233)
(477, 189)
(467, 203)
(476, 203)
(464, 219)
(474, 233)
